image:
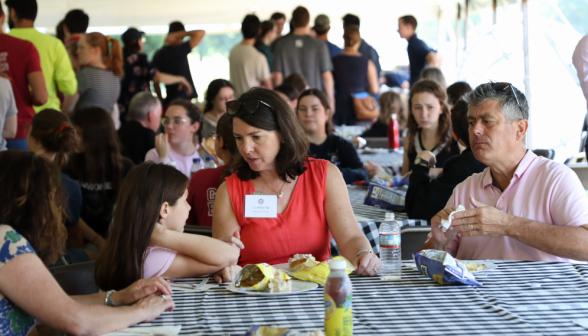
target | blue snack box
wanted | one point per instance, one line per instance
(443, 268)
(385, 197)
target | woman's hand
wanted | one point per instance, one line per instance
(157, 235)
(367, 264)
(186, 86)
(429, 157)
(227, 274)
(141, 289)
(372, 168)
(153, 305)
(162, 145)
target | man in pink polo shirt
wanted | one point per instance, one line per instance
(522, 207)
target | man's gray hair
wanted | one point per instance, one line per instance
(141, 104)
(504, 93)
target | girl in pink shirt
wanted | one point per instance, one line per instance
(147, 239)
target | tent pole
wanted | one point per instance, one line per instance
(525, 7)
(465, 25)
(494, 5)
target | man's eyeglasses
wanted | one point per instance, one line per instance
(504, 88)
(251, 106)
(176, 121)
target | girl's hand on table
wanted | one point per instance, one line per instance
(227, 274)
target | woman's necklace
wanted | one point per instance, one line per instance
(280, 193)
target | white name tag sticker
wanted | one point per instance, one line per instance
(261, 206)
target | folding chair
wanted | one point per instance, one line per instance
(76, 279)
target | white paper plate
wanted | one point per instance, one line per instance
(284, 267)
(297, 287)
(489, 265)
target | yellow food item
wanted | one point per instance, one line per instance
(473, 267)
(258, 276)
(302, 261)
(279, 284)
(438, 277)
(320, 272)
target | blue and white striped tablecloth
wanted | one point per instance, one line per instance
(505, 305)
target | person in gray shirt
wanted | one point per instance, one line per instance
(8, 112)
(301, 53)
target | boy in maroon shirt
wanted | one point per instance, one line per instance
(20, 63)
(205, 182)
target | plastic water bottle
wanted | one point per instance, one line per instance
(390, 248)
(196, 166)
(210, 162)
(338, 295)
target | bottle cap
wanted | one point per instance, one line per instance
(196, 160)
(209, 158)
(389, 215)
(337, 264)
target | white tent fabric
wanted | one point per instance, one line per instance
(156, 12)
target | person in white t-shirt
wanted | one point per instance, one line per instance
(249, 67)
(8, 112)
(177, 146)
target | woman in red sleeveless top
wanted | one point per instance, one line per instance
(312, 199)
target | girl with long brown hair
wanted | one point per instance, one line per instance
(429, 125)
(147, 236)
(314, 114)
(52, 137)
(31, 235)
(98, 166)
(99, 78)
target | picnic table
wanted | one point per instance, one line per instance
(517, 298)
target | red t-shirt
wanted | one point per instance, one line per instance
(302, 228)
(201, 195)
(18, 58)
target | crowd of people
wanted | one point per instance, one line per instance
(95, 166)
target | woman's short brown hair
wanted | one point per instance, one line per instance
(434, 88)
(391, 103)
(351, 35)
(294, 148)
(32, 202)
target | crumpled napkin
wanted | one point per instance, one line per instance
(446, 223)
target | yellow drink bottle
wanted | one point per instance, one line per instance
(338, 295)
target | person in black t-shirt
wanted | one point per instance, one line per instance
(137, 136)
(139, 72)
(426, 197)
(98, 166)
(419, 53)
(429, 126)
(313, 114)
(173, 59)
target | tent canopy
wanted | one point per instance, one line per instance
(191, 12)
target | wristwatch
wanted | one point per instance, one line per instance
(422, 162)
(108, 301)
